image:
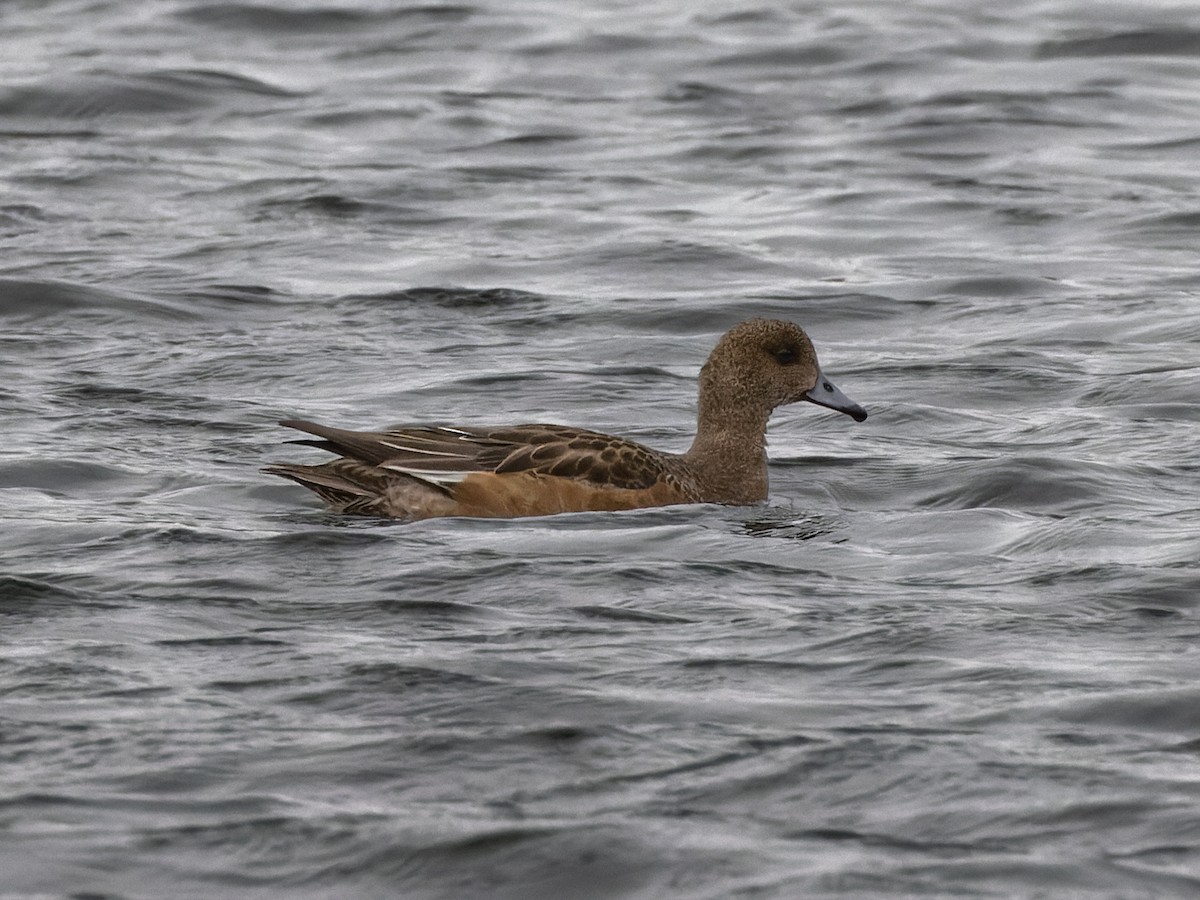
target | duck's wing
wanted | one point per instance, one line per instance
(443, 455)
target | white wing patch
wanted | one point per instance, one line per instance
(406, 448)
(436, 478)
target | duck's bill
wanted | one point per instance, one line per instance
(826, 393)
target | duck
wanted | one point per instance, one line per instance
(416, 472)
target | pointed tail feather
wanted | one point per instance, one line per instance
(334, 489)
(363, 446)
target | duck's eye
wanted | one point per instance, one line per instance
(784, 356)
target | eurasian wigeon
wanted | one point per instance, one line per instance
(423, 471)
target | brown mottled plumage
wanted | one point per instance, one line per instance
(422, 471)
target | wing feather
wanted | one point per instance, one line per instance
(442, 455)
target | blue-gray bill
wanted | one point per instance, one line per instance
(826, 393)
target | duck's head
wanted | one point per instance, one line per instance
(769, 363)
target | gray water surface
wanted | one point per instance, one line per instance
(957, 653)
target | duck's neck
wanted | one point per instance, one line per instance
(729, 455)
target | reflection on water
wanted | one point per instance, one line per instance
(789, 525)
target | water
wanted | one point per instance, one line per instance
(954, 655)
